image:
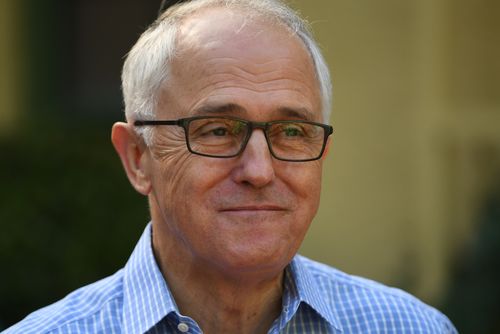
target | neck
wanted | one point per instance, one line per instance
(227, 307)
(220, 302)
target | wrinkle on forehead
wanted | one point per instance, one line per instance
(265, 69)
(261, 78)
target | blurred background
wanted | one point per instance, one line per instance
(411, 192)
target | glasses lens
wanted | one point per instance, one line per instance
(219, 137)
(296, 140)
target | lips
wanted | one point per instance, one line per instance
(254, 208)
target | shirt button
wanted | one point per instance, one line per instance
(182, 327)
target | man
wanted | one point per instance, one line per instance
(225, 103)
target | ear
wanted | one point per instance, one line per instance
(134, 156)
(327, 148)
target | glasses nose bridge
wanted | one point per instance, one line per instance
(255, 126)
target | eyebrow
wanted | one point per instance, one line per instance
(301, 113)
(229, 108)
(232, 108)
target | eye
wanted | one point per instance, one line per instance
(220, 132)
(292, 131)
(213, 130)
(221, 129)
(216, 129)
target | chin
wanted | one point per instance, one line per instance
(256, 260)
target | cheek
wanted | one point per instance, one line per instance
(181, 179)
(170, 159)
(304, 180)
(307, 187)
(168, 144)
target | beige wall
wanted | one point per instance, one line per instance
(417, 134)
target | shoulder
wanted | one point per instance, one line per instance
(90, 309)
(360, 303)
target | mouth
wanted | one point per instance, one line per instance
(265, 215)
(253, 208)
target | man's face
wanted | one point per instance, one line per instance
(250, 212)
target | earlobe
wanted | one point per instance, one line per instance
(133, 155)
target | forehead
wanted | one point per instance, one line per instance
(222, 51)
(228, 25)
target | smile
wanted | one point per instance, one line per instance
(254, 208)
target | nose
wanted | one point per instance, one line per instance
(255, 165)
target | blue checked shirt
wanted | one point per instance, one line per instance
(317, 299)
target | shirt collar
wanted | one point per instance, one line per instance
(147, 299)
(306, 289)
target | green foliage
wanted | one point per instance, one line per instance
(67, 212)
(473, 301)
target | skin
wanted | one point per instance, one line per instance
(229, 224)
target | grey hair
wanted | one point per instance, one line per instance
(146, 67)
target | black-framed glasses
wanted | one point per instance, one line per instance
(227, 137)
